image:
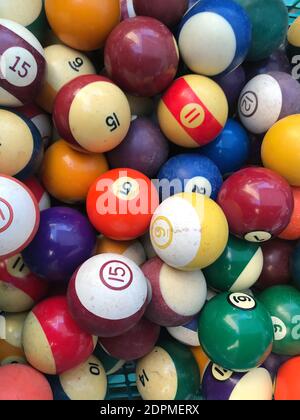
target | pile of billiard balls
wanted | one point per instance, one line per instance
(149, 199)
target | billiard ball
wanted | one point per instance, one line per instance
(273, 363)
(20, 289)
(202, 360)
(191, 172)
(86, 382)
(120, 204)
(292, 232)
(178, 377)
(214, 37)
(266, 36)
(277, 255)
(231, 149)
(167, 306)
(287, 386)
(63, 65)
(147, 66)
(40, 119)
(18, 207)
(29, 13)
(144, 149)
(65, 240)
(193, 111)
(281, 149)
(220, 384)
(293, 41)
(266, 99)
(295, 265)
(92, 114)
(283, 304)
(277, 61)
(236, 331)
(127, 9)
(108, 295)
(186, 334)
(68, 174)
(258, 204)
(232, 84)
(41, 195)
(134, 343)
(189, 231)
(240, 264)
(169, 11)
(21, 145)
(11, 351)
(22, 64)
(83, 25)
(53, 342)
(21, 383)
(110, 364)
(133, 250)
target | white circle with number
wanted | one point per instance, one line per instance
(242, 301)
(126, 188)
(199, 185)
(18, 67)
(280, 330)
(258, 236)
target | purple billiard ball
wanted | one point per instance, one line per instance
(232, 84)
(277, 61)
(64, 241)
(273, 363)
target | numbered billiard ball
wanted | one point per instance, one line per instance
(178, 377)
(29, 13)
(22, 64)
(191, 173)
(110, 364)
(144, 149)
(127, 9)
(292, 232)
(120, 204)
(186, 334)
(134, 343)
(214, 37)
(147, 66)
(283, 304)
(268, 98)
(52, 340)
(92, 114)
(266, 37)
(107, 295)
(167, 307)
(86, 382)
(277, 256)
(231, 149)
(169, 11)
(236, 331)
(193, 111)
(65, 240)
(258, 204)
(41, 195)
(21, 383)
(220, 384)
(68, 174)
(21, 145)
(281, 149)
(133, 250)
(189, 231)
(240, 264)
(11, 330)
(18, 207)
(63, 65)
(20, 289)
(83, 25)
(287, 386)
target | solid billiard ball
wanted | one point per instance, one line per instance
(22, 64)
(92, 114)
(193, 111)
(168, 286)
(287, 386)
(258, 204)
(214, 37)
(53, 342)
(189, 231)
(18, 207)
(147, 66)
(133, 250)
(292, 232)
(68, 174)
(186, 334)
(120, 204)
(283, 304)
(41, 195)
(169, 11)
(236, 331)
(107, 295)
(65, 240)
(11, 349)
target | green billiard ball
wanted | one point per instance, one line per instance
(238, 268)
(283, 304)
(236, 331)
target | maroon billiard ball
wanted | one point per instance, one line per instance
(167, 11)
(257, 202)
